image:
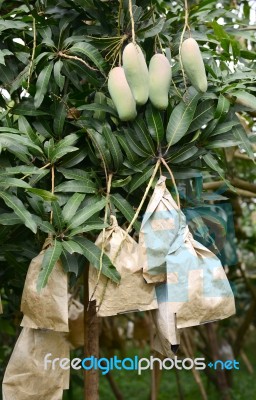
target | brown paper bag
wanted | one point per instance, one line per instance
(26, 377)
(167, 338)
(49, 308)
(196, 288)
(75, 337)
(132, 293)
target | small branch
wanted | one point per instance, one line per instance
(45, 166)
(144, 196)
(176, 89)
(240, 183)
(247, 362)
(52, 190)
(63, 55)
(109, 181)
(186, 25)
(131, 224)
(242, 156)
(243, 329)
(33, 53)
(222, 383)
(243, 188)
(189, 353)
(173, 180)
(119, 30)
(132, 21)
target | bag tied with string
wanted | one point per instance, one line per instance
(75, 337)
(27, 377)
(192, 282)
(47, 309)
(132, 293)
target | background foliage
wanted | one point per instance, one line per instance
(61, 140)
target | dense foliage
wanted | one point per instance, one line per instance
(65, 155)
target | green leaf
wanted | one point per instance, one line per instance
(151, 29)
(68, 140)
(26, 128)
(51, 256)
(214, 165)
(155, 123)
(27, 108)
(131, 155)
(75, 173)
(44, 226)
(59, 79)
(134, 144)
(9, 219)
(18, 140)
(21, 169)
(17, 206)
(72, 206)
(42, 84)
(143, 134)
(58, 220)
(17, 82)
(100, 98)
(100, 146)
(59, 120)
(72, 247)
(245, 99)
(221, 143)
(222, 107)
(85, 186)
(181, 118)
(88, 228)
(10, 182)
(90, 52)
(241, 135)
(139, 179)
(75, 158)
(113, 146)
(80, 70)
(204, 113)
(225, 127)
(60, 152)
(37, 177)
(93, 254)
(121, 182)
(85, 213)
(183, 154)
(44, 194)
(8, 142)
(4, 53)
(98, 107)
(125, 208)
(69, 262)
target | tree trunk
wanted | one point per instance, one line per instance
(91, 341)
(220, 374)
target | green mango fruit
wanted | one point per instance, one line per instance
(193, 64)
(121, 94)
(160, 76)
(136, 72)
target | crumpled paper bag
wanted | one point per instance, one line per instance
(26, 377)
(194, 284)
(47, 309)
(75, 337)
(132, 293)
(167, 338)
